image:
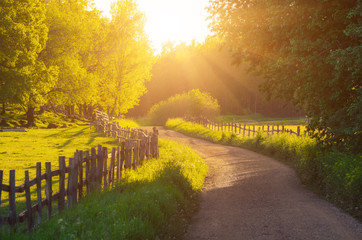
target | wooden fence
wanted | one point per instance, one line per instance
(86, 172)
(242, 128)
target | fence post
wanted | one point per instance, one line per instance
(70, 200)
(249, 132)
(253, 130)
(12, 207)
(93, 170)
(123, 155)
(1, 182)
(113, 160)
(135, 154)
(298, 131)
(283, 128)
(80, 174)
(38, 192)
(61, 200)
(99, 167)
(28, 201)
(48, 189)
(118, 163)
(105, 155)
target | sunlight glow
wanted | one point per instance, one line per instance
(170, 20)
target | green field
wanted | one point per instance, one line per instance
(156, 201)
(261, 120)
(21, 151)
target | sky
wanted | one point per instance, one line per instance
(170, 20)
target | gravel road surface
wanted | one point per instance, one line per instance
(251, 196)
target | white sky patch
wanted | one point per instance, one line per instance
(170, 20)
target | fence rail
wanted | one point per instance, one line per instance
(242, 128)
(86, 172)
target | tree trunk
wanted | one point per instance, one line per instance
(30, 116)
(3, 109)
(72, 110)
(80, 109)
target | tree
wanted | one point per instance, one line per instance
(308, 52)
(207, 67)
(72, 45)
(24, 79)
(128, 59)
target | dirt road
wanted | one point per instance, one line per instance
(250, 196)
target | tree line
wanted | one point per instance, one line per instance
(209, 67)
(308, 53)
(64, 52)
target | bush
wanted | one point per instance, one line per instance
(193, 103)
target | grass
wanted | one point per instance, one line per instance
(334, 175)
(21, 151)
(260, 120)
(154, 202)
(16, 118)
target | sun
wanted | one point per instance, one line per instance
(170, 20)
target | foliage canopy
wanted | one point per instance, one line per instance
(309, 52)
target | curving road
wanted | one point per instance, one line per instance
(251, 196)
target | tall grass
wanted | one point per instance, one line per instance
(154, 202)
(336, 176)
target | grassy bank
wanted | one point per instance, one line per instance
(154, 202)
(334, 175)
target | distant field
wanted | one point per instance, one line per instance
(259, 119)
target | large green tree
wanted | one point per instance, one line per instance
(128, 59)
(72, 45)
(308, 52)
(24, 79)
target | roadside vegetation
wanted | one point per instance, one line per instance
(192, 103)
(154, 202)
(335, 175)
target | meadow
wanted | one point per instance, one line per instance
(21, 151)
(334, 175)
(156, 201)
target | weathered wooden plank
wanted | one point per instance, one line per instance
(1, 183)
(113, 161)
(61, 200)
(118, 163)
(80, 174)
(48, 189)
(38, 192)
(123, 156)
(75, 178)
(93, 170)
(105, 154)
(70, 197)
(99, 166)
(87, 170)
(135, 154)
(12, 206)
(28, 202)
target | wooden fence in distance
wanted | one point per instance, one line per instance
(86, 172)
(242, 128)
